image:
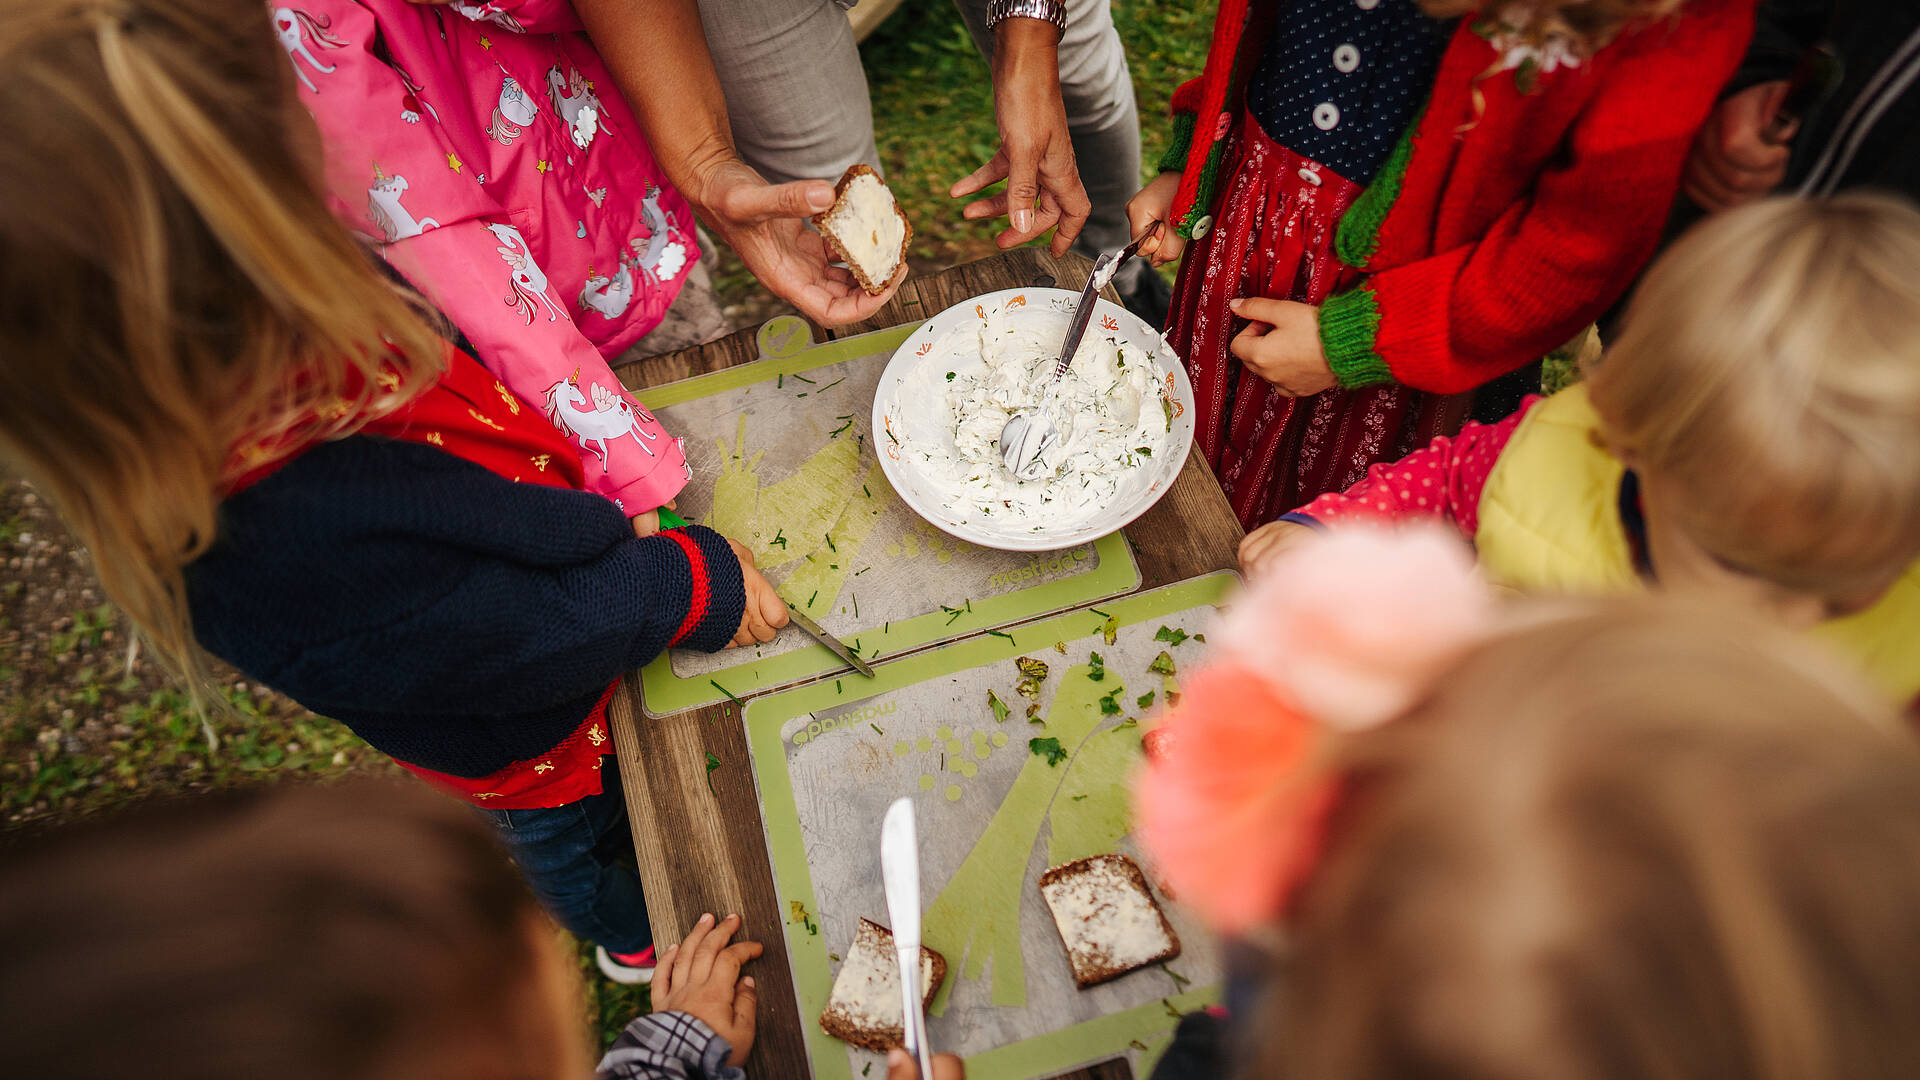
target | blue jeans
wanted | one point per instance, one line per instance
(568, 853)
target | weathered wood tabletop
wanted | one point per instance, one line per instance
(702, 851)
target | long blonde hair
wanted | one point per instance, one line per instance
(1769, 368)
(172, 286)
(1641, 841)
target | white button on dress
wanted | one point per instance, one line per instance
(1326, 116)
(1346, 58)
(1367, 5)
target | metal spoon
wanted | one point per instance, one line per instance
(1030, 430)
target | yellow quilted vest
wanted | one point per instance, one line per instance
(1550, 522)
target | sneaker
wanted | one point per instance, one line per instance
(629, 968)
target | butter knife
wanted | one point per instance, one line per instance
(900, 873)
(839, 647)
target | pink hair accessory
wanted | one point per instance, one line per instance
(1352, 627)
(1343, 634)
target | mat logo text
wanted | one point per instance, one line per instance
(848, 719)
(1038, 568)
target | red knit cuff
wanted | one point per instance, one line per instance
(702, 592)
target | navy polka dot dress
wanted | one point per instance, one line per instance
(1341, 79)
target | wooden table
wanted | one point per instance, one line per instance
(706, 852)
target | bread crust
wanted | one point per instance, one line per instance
(1089, 971)
(823, 222)
(844, 1028)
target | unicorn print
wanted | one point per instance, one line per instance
(486, 12)
(664, 254)
(575, 103)
(297, 31)
(513, 114)
(608, 295)
(412, 105)
(527, 285)
(611, 417)
(393, 220)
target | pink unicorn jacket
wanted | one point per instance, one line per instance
(471, 142)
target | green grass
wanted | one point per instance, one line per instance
(78, 734)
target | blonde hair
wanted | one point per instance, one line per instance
(1641, 841)
(173, 286)
(1586, 25)
(1769, 369)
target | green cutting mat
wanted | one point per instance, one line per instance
(830, 757)
(785, 459)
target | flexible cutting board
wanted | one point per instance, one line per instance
(829, 758)
(787, 466)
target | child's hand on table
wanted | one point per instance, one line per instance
(1261, 547)
(900, 1066)
(1281, 344)
(765, 613)
(647, 524)
(701, 977)
(1154, 203)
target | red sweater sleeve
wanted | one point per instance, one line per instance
(1554, 261)
(1443, 480)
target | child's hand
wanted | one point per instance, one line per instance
(765, 612)
(647, 524)
(902, 1067)
(1264, 545)
(1153, 203)
(701, 977)
(1281, 344)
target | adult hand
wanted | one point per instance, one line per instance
(1281, 344)
(701, 977)
(765, 612)
(644, 525)
(766, 225)
(1733, 162)
(1155, 203)
(901, 1066)
(1261, 547)
(1036, 152)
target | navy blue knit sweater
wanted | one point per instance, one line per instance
(452, 618)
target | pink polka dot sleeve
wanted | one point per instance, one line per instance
(1442, 480)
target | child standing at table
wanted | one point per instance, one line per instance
(1753, 434)
(1606, 842)
(1393, 202)
(272, 455)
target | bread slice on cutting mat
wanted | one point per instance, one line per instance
(864, 1008)
(1107, 917)
(865, 228)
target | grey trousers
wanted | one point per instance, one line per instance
(797, 96)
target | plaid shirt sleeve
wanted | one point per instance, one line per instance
(668, 1046)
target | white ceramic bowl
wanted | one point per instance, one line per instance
(897, 430)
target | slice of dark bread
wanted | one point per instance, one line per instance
(1107, 918)
(864, 1008)
(861, 227)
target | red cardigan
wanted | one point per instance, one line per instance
(1488, 242)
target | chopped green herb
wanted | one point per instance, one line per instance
(1048, 748)
(1178, 979)
(815, 596)
(1111, 631)
(1031, 668)
(950, 375)
(835, 433)
(1171, 1011)
(1201, 638)
(729, 694)
(831, 546)
(1110, 705)
(1102, 614)
(1060, 647)
(1135, 1043)
(862, 570)
(891, 435)
(1077, 798)
(833, 384)
(856, 603)
(1166, 406)
(1098, 668)
(780, 383)
(800, 395)
(869, 1067)
(1170, 636)
(779, 537)
(1033, 714)
(1004, 634)
(1144, 701)
(1162, 664)
(836, 686)
(712, 764)
(797, 912)
(1000, 709)
(804, 379)
(876, 728)
(868, 494)
(1143, 451)
(1129, 722)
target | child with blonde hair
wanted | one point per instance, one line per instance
(272, 455)
(1391, 203)
(1599, 841)
(1753, 433)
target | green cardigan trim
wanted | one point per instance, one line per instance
(1203, 193)
(1349, 326)
(1175, 159)
(1358, 237)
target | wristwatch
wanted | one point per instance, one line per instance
(1052, 11)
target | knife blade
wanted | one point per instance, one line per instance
(838, 647)
(900, 874)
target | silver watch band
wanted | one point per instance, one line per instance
(1053, 11)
